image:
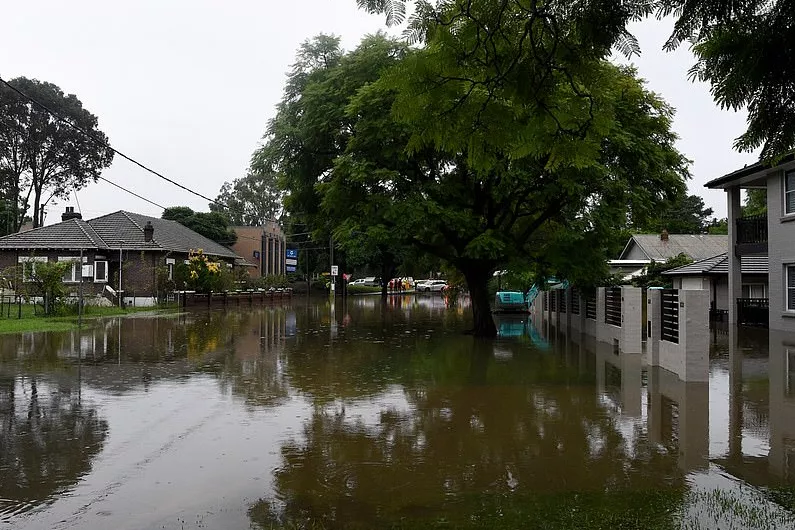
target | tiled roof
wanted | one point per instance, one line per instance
(720, 265)
(696, 246)
(125, 229)
(116, 230)
(71, 234)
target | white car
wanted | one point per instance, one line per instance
(427, 286)
(360, 281)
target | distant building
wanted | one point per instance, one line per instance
(262, 246)
(642, 249)
(140, 243)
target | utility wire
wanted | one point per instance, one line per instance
(116, 151)
(108, 146)
(131, 192)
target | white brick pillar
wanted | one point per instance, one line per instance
(631, 320)
(654, 325)
(694, 334)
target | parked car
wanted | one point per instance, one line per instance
(370, 281)
(427, 286)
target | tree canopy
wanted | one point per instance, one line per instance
(478, 154)
(42, 157)
(212, 225)
(744, 49)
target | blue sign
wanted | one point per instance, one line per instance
(290, 268)
(291, 253)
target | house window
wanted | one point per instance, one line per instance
(29, 266)
(754, 290)
(71, 274)
(100, 271)
(789, 192)
(789, 358)
(790, 287)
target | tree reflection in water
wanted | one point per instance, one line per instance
(47, 441)
(479, 442)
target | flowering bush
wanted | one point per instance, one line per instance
(205, 276)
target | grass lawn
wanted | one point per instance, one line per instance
(11, 323)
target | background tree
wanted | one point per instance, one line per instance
(252, 200)
(755, 202)
(746, 51)
(212, 225)
(40, 156)
(684, 214)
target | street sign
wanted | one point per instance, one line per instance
(290, 268)
(291, 253)
(289, 261)
(335, 270)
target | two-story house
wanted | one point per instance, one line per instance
(772, 235)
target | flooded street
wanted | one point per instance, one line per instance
(376, 416)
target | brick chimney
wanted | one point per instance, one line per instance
(70, 213)
(664, 235)
(149, 232)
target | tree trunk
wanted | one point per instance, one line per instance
(387, 271)
(37, 221)
(477, 276)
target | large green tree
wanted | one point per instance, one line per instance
(42, 157)
(212, 225)
(521, 143)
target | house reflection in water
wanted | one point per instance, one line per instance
(742, 418)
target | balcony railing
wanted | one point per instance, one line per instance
(751, 234)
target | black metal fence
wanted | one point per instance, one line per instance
(753, 311)
(562, 295)
(590, 308)
(575, 302)
(613, 306)
(553, 298)
(752, 229)
(669, 314)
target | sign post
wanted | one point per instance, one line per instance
(334, 272)
(291, 259)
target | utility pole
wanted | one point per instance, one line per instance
(331, 265)
(80, 296)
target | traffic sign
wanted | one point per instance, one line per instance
(335, 270)
(291, 253)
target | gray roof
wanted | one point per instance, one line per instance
(71, 234)
(720, 265)
(695, 246)
(113, 231)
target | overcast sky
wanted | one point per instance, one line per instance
(187, 86)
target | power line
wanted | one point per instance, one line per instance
(131, 192)
(108, 146)
(103, 143)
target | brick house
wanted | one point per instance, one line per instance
(135, 243)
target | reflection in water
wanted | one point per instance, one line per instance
(47, 440)
(384, 414)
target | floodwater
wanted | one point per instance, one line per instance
(390, 416)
